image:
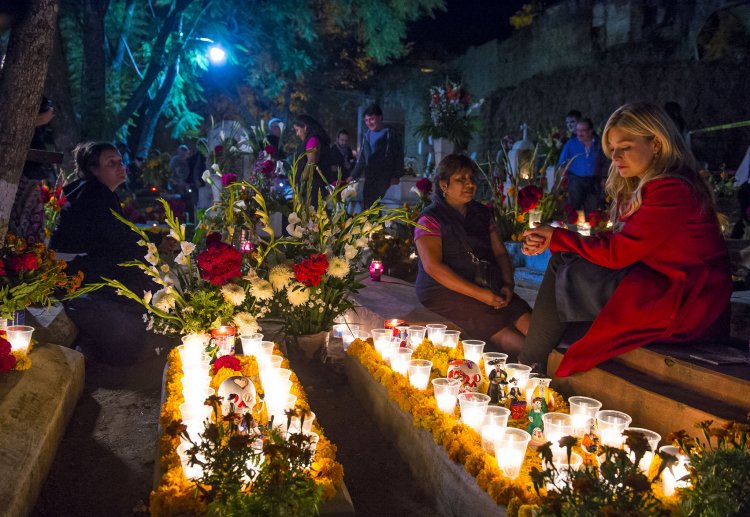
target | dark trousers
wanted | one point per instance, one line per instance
(584, 192)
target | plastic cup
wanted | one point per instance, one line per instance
(653, 442)
(473, 349)
(473, 408)
(415, 335)
(446, 392)
(565, 467)
(195, 412)
(450, 338)
(271, 375)
(19, 337)
(490, 434)
(195, 341)
(583, 410)
(493, 357)
(435, 333)
(497, 415)
(299, 424)
(520, 372)
(510, 450)
(611, 425)
(671, 476)
(400, 358)
(264, 350)
(556, 425)
(250, 343)
(191, 471)
(381, 339)
(419, 373)
(196, 394)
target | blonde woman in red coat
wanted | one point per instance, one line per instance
(660, 275)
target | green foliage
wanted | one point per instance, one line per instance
(720, 473)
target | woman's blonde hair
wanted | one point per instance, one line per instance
(672, 157)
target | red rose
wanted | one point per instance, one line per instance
(218, 150)
(424, 185)
(220, 263)
(227, 361)
(23, 262)
(528, 197)
(7, 360)
(227, 179)
(311, 270)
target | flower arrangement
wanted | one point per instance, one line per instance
(199, 289)
(30, 275)
(176, 495)
(462, 443)
(449, 114)
(53, 200)
(155, 171)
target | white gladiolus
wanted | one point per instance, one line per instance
(349, 251)
(233, 294)
(280, 276)
(152, 258)
(294, 218)
(187, 247)
(182, 259)
(163, 300)
(297, 294)
(147, 295)
(349, 192)
(338, 267)
(294, 230)
(362, 242)
(216, 168)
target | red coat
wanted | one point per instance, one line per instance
(678, 287)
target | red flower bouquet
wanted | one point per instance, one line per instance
(227, 361)
(220, 262)
(311, 270)
(529, 197)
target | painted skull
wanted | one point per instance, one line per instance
(468, 372)
(238, 394)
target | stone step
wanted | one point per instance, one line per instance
(653, 403)
(35, 407)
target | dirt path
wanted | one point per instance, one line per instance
(105, 462)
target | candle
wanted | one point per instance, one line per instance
(611, 425)
(653, 439)
(671, 476)
(564, 468)
(556, 425)
(583, 410)
(473, 407)
(473, 349)
(510, 461)
(490, 434)
(510, 449)
(446, 391)
(446, 402)
(415, 335)
(450, 338)
(250, 343)
(399, 356)
(393, 325)
(19, 337)
(376, 270)
(223, 339)
(435, 333)
(419, 373)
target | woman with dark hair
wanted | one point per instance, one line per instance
(459, 232)
(111, 327)
(661, 274)
(313, 155)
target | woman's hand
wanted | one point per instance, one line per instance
(506, 293)
(491, 299)
(536, 240)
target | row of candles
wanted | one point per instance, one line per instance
(196, 388)
(509, 444)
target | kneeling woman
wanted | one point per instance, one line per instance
(661, 274)
(457, 229)
(111, 327)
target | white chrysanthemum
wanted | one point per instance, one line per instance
(246, 323)
(261, 290)
(297, 294)
(349, 251)
(147, 295)
(186, 247)
(233, 294)
(163, 300)
(280, 276)
(338, 267)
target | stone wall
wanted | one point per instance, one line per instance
(594, 55)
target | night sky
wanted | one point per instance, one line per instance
(466, 23)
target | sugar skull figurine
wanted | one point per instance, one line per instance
(467, 372)
(542, 391)
(517, 400)
(238, 395)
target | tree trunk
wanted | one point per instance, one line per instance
(94, 69)
(57, 86)
(155, 108)
(21, 82)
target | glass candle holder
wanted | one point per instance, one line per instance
(446, 392)
(510, 450)
(673, 477)
(556, 425)
(435, 333)
(223, 339)
(497, 415)
(653, 439)
(493, 360)
(400, 358)
(250, 343)
(611, 425)
(19, 337)
(376, 270)
(473, 349)
(415, 335)
(473, 408)
(349, 333)
(520, 372)
(419, 373)
(392, 348)
(450, 338)
(583, 410)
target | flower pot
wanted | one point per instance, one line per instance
(443, 147)
(311, 344)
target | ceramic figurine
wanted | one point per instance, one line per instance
(542, 390)
(468, 372)
(590, 443)
(536, 424)
(517, 400)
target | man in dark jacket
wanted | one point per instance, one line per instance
(380, 159)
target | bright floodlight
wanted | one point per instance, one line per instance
(217, 55)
